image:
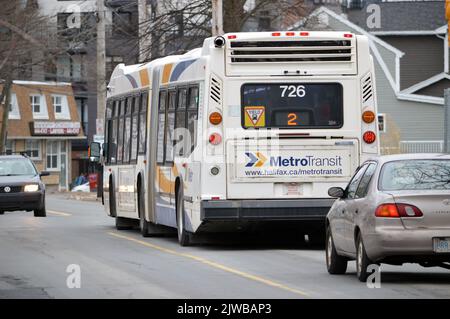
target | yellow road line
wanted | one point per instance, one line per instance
(214, 265)
(58, 213)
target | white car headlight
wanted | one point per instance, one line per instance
(31, 188)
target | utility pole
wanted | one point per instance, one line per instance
(101, 67)
(101, 83)
(447, 121)
(217, 17)
(5, 100)
(144, 30)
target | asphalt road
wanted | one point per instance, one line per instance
(35, 254)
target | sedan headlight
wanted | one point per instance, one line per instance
(31, 188)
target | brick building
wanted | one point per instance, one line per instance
(43, 120)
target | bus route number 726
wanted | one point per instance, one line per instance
(293, 90)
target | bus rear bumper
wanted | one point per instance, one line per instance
(265, 210)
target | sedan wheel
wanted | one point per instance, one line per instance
(336, 265)
(362, 260)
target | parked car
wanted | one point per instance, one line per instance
(21, 187)
(395, 210)
(83, 188)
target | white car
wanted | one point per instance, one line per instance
(82, 188)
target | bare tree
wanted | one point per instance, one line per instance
(176, 26)
(27, 40)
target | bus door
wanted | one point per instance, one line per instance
(165, 201)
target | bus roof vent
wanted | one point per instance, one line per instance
(305, 56)
(367, 91)
(216, 90)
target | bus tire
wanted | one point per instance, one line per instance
(184, 237)
(145, 226)
(112, 199)
(123, 223)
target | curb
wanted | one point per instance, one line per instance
(84, 197)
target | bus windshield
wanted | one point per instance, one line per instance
(292, 105)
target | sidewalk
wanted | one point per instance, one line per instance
(91, 197)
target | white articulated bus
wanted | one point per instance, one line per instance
(251, 129)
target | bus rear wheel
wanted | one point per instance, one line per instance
(184, 237)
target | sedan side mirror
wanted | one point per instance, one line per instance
(44, 173)
(336, 192)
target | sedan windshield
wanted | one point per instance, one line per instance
(14, 167)
(415, 175)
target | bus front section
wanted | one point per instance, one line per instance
(297, 115)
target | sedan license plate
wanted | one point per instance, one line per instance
(441, 245)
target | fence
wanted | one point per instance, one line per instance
(421, 146)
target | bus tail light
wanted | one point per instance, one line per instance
(215, 139)
(215, 118)
(290, 34)
(276, 34)
(369, 137)
(368, 117)
(232, 37)
(304, 34)
(348, 35)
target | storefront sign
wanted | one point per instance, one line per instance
(56, 128)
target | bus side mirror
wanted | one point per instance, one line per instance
(94, 152)
(105, 150)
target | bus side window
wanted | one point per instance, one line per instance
(127, 130)
(135, 129)
(192, 116)
(108, 123)
(143, 123)
(112, 149)
(161, 126)
(122, 105)
(180, 123)
(170, 125)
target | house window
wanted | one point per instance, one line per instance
(35, 101)
(52, 155)
(14, 113)
(9, 147)
(382, 123)
(60, 107)
(57, 104)
(38, 106)
(33, 149)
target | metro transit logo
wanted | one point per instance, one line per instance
(256, 159)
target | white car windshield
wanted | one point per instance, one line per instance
(15, 167)
(415, 175)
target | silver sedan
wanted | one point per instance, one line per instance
(395, 210)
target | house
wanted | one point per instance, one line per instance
(43, 120)
(409, 44)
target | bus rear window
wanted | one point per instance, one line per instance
(292, 105)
